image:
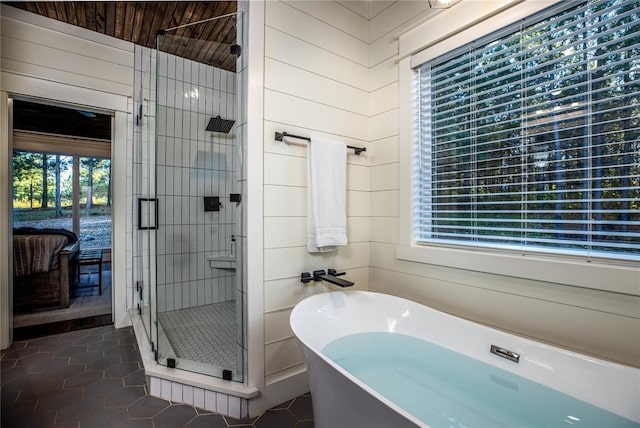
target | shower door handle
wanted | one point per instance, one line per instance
(150, 207)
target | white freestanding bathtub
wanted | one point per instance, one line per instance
(375, 360)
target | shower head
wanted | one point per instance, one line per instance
(217, 124)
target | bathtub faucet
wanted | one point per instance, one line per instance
(322, 275)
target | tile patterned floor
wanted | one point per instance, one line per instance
(205, 334)
(94, 378)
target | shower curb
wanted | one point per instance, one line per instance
(181, 387)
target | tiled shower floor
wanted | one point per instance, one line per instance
(206, 334)
(94, 378)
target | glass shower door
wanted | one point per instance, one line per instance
(198, 173)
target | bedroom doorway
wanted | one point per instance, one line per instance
(61, 200)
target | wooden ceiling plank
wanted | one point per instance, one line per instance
(171, 12)
(91, 15)
(229, 63)
(214, 31)
(101, 17)
(189, 11)
(226, 37)
(181, 43)
(151, 9)
(72, 16)
(205, 54)
(195, 32)
(170, 45)
(173, 19)
(80, 13)
(138, 20)
(45, 9)
(205, 10)
(33, 7)
(186, 18)
(157, 18)
(110, 18)
(201, 54)
(127, 32)
(195, 46)
(61, 12)
(221, 8)
(223, 59)
(118, 24)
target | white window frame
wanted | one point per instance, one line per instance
(604, 275)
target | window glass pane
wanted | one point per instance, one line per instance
(95, 203)
(529, 138)
(43, 195)
(42, 190)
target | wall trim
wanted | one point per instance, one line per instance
(253, 189)
(6, 219)
(119, 135)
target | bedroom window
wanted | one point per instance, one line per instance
(529, 139)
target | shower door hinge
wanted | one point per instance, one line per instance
(139, 309)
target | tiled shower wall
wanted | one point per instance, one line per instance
(192, 163)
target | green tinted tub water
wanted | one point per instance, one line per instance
(443, 388)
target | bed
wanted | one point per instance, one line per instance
(42, 267)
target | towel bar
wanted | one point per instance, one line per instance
(280, 136)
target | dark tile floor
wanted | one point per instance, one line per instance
(94, 378)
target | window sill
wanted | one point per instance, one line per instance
(599, 276)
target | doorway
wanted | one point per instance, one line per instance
(62, 198)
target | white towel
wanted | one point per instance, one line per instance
(327, 195)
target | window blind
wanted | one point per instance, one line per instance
(529, 139)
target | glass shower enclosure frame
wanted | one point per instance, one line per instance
(190, 208)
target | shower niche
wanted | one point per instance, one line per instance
(191, 163)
